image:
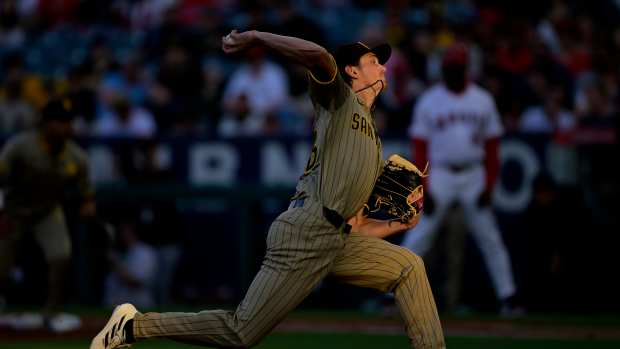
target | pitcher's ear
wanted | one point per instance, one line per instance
(352, 71)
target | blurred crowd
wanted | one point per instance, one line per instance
(137, 68)
(144, 68)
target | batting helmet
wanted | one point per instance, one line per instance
(456, 54)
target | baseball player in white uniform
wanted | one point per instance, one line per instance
(456, 128)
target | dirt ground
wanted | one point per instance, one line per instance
(453, 327)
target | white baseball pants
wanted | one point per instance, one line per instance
(447, 187)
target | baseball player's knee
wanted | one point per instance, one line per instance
(410, 265)
(488, 239)
(245, 340)
(413, 260)
(244, 334)
(58, 265)
(415, 265)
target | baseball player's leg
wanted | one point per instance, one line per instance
(420, 239)
(481, 222)
(296, 261)
(52, 235)
(484, 229)
(375, 263)
(455, 244)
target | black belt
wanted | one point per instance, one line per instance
(461, 167)
(333, 217)
(336, 220)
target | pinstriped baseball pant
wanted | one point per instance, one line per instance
(303, 248)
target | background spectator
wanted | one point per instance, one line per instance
(15, 113)
(549, 118)
(125, 120)
(132, 270)
(254, 97)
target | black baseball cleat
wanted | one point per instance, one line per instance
(114, 334)
(511, 308)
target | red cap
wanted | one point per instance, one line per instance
(456, 54)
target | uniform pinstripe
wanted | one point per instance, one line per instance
(303, 247)
(371, 262)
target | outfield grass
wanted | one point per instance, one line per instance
(350, 341)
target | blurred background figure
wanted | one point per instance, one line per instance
(133, 267)
(81, 90)
(156, 218)
(254, 98)
(40, 169)
(550, 118)
(15, 113)
(125, 120)
(551, 238)
(175, 94)
(12, 35)
(456, 129)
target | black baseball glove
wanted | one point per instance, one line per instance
(398, 191)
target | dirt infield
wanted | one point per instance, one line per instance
(453, 327)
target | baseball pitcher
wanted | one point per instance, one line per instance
(324, 230)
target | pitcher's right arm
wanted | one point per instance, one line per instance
(306, 53)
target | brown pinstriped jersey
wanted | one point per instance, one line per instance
(346, 157)
(34, 180)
